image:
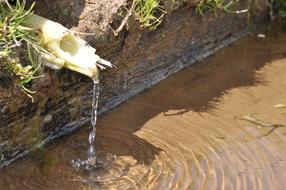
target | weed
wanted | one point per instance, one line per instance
(226, 5)
(149, 12)
(14, 35)
(278, 7)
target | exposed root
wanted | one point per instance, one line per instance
(125, 20)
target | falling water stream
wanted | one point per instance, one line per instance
(92, 134)
(185, 133)
(90, 163)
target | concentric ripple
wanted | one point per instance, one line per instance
(186, 133)
(190, 157)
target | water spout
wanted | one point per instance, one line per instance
(64, 49)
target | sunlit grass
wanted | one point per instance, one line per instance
(150, 13)
(13, 37)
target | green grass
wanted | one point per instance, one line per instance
(278, 7)
(14, 37)
(213, 5)
(150, 13)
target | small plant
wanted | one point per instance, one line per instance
(277, 7)
(149, 12)
(226, 5)
(13, 35)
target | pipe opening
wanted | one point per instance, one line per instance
(69, 44)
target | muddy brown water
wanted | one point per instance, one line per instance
(184, 133)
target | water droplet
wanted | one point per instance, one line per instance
(92, 160)
(75, 163)
(92, 137)
(91, 151)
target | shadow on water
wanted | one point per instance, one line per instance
(200, 87)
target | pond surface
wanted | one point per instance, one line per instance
(185, 133)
